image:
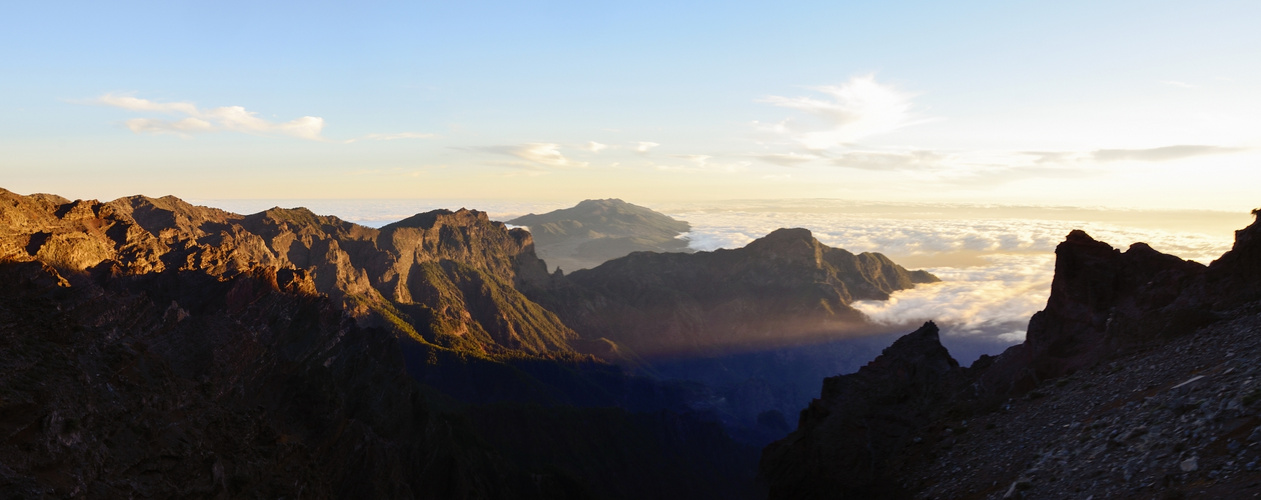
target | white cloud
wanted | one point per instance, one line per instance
(230, 118)
(897, 160)
(392, 137)
(595, 147)
(854, 110)
(545, 154)
(644, 146)
(1161, 154)
(152, 125)
(787, 159)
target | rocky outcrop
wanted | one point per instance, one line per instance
(1123, 388)
(596, 231)
(846, 438)
(781, 289)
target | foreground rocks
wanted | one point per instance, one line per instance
(1138, 380)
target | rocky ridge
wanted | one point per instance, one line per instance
(1135, 381)
(783, 288)
(156, 348)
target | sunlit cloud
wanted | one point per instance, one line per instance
(854, 110)
(899, 160)
(545, 154)
(787, 159)
(645, 146)
(1166, 153)
(595, 147)
(393, 137)
(226, 118)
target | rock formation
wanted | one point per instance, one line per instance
(1123, 388)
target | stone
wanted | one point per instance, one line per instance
(1190, 464)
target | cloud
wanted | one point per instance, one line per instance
(644, 146)
(229, 118)
(852, 111)
(1175, 83)
(875, 160)
(392, 137)
(537, 153)
(595, 147)
(996, 272)
(787, 159)
(151, 125)
(1166, 153)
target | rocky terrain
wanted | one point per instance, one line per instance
(596, 231)
(1136, 381)
(149, 347)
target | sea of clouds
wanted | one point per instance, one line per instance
(996, 264)
(996, 271)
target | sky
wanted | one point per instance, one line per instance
(1152, 104)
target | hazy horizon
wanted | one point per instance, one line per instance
(1124, 104)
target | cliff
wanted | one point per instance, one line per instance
(1133, 381)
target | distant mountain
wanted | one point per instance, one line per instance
(1136, 380)
(596, 231)
(784, 288)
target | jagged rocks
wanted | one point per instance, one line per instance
(845, 439)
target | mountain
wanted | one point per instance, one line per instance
(595, 231)
(784, 288)
(154, 348)
(1136, 380)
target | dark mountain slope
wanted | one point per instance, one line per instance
(253, 338)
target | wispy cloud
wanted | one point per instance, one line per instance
(538, 154)
(787, 159)
(392, 137)
(1161, 154)
(898, 160)
(643, 147)
(595, 147)
(226, 118)
(851, 111)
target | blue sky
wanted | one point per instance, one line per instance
(1143, 104)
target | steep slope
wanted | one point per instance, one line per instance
(784, 288)
(595, 231)
(178, 384)
(188, 329)
(1126, 384)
